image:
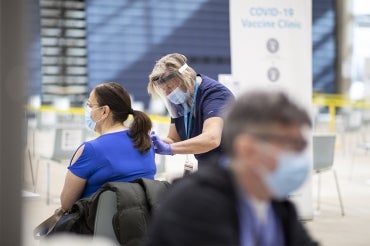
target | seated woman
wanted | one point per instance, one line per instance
(119, 153)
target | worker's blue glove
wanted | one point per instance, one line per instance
(160, 146)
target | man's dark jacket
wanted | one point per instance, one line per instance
(201, 209)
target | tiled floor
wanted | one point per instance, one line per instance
(328, 226)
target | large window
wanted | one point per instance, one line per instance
(361, 41)
(324, 46)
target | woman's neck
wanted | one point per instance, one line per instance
(116, 127)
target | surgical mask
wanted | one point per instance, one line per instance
(88, 120)
(177, 96)
(290, 173)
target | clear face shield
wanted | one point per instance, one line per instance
(171, 93)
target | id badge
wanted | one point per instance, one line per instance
(188, 168)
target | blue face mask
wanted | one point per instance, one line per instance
(88, 120)
(290, 173)
(177, 96)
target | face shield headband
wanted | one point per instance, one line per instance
(165, 86)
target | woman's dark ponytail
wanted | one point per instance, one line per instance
(139, 130)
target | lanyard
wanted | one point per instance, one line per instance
(187, 122)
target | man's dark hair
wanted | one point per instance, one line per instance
(260, 109)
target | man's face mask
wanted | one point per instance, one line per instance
(290, 173)
(292, 165)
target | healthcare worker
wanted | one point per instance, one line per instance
(195, 103)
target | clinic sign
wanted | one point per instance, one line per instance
(271, 46)
(281, 18)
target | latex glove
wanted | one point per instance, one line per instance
(160, 146)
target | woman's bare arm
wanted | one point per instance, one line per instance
(73, 185)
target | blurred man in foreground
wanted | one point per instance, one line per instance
(243, 199)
